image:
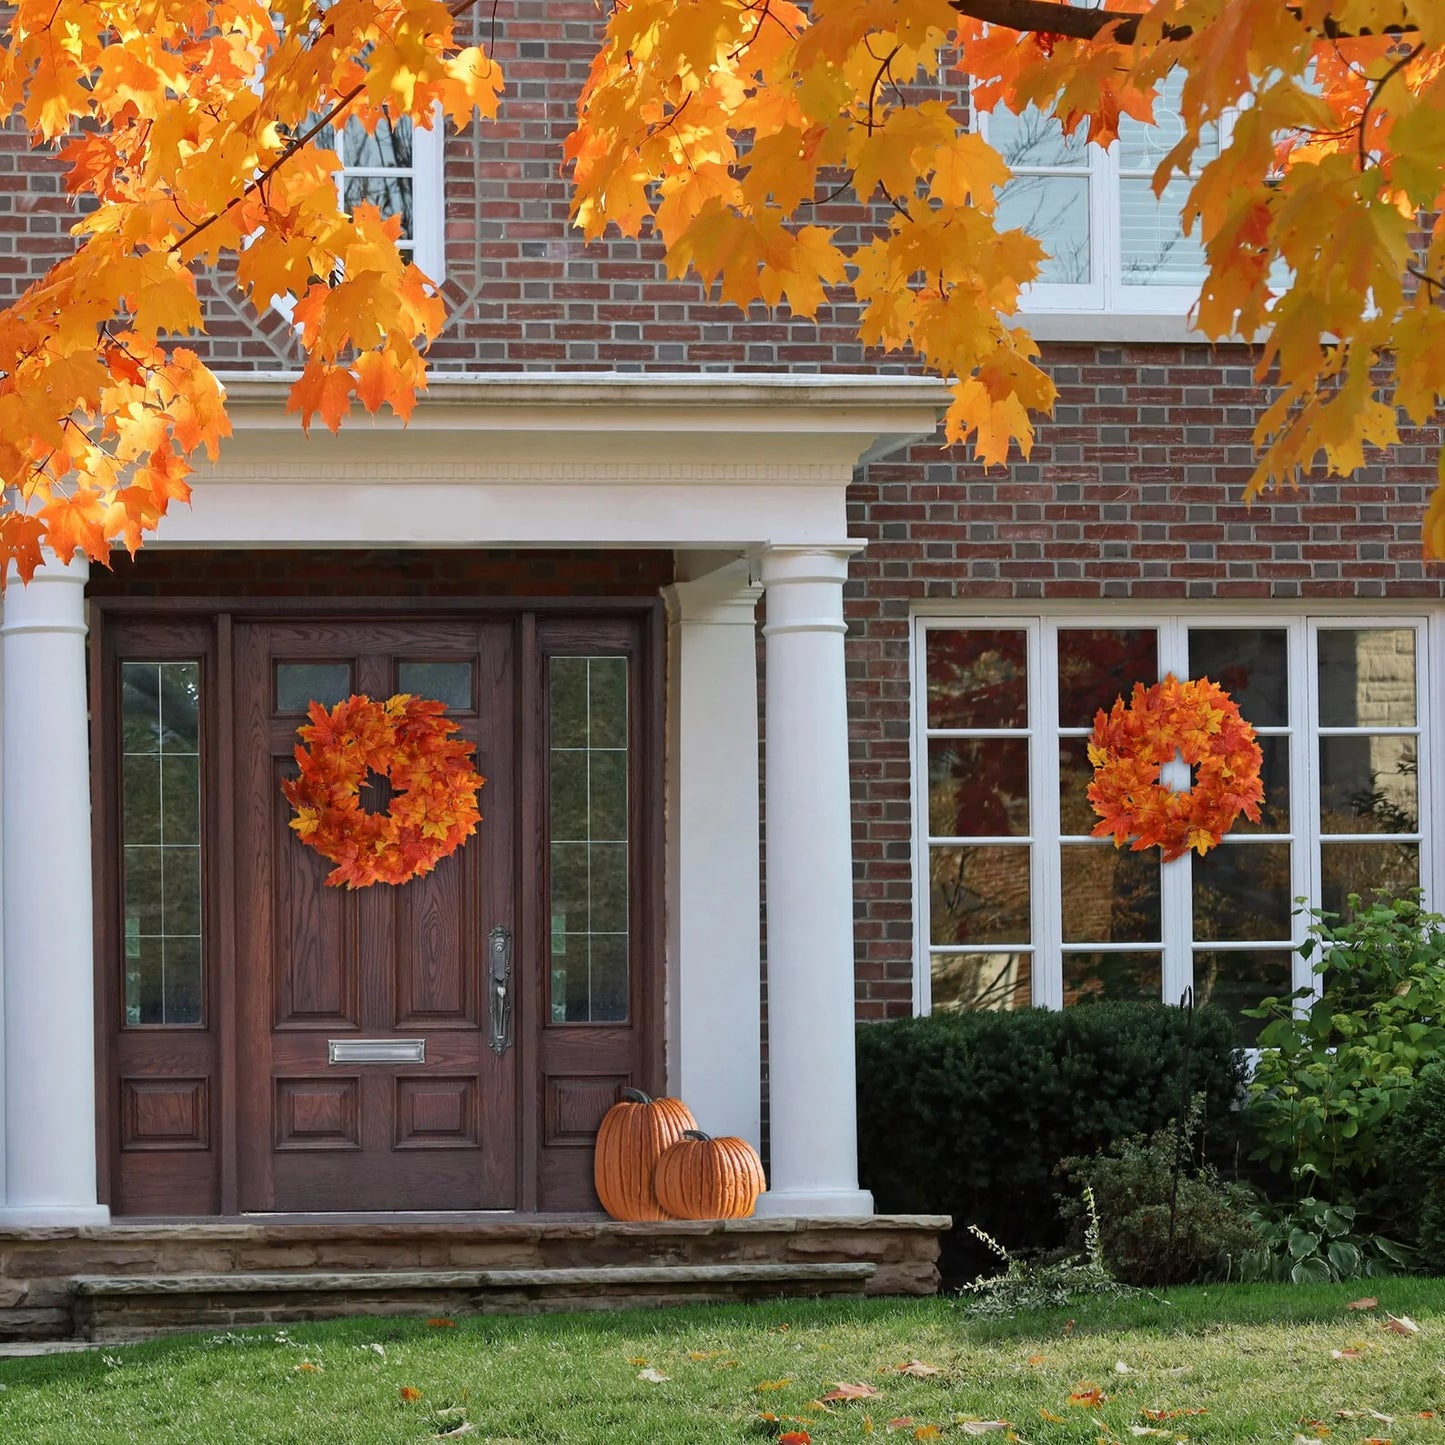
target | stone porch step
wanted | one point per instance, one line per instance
(116, 1307)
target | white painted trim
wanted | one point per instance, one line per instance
(428, 198)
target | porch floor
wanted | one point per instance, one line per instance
(140, 1276)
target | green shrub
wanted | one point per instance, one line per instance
(968, 1114)
(1314, 1242)
(1414, 1152)
(1328, 1080)
(1164, 1216)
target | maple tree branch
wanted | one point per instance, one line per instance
(297, 144)
(1380, 84)
(1058, 17)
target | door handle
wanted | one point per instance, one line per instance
(499, 987)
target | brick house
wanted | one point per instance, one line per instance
(624, 526)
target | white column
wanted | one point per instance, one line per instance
(714, 984)
(49, 991)
(812, 1107)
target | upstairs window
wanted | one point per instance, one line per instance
(1112, 246)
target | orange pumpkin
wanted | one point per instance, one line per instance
(700, 1177)
(633, 1133)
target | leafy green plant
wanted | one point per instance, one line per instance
(1314, 1242)
(1167, 1216)
(1414, 1151)
(1028, 1284)
(1332, 1072)
(968, 1114)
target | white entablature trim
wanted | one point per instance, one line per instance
(557, 459)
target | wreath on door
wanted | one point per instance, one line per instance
(407, 740)
(1132, 742)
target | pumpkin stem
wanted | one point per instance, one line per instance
(635, 1096)
(697, 1134)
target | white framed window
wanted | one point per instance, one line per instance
(1113, 247)
(398, 168)
(1015, 902)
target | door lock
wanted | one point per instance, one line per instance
(499, 982)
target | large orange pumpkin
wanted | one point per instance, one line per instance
(700, 1177)
(632, 1135)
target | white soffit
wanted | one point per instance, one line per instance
(556, 459)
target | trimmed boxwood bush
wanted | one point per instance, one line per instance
(969, 1114)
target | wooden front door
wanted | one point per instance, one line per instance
(376, 1026)
(269, 1043)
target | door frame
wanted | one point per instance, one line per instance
(209, 620)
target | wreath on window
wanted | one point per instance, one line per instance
(406, 740)
(1132, 742)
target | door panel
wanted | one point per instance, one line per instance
(319, 964)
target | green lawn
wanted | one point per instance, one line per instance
(1249, 1363)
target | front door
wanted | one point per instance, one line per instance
(377, 1066)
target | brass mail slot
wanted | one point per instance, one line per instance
(376, 1051)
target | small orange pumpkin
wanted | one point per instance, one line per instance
(700, 1177)
(632, 1135)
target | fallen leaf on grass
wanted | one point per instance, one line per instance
(441, 1323)
(1369, 1302)
(795, 1437)
(898, 1422)
(653, 1377)
(1364, 1415)
(1035, 1360)
(1155, 1430)
(1377, 1440)
(1175, 1414)
(1087, 1396)
(1120, 1368)
(765, 1385)
(703, 1354)
(1051, 1417)
(308, 1368)
(1349, 1353)
(464, 1428)
(976, 1427)
(410, 1395)
(918, 1370)
(1400, 1325)
(376, 1349)
(1306, 1440)
(844, 1391)
(1068, 1328)
(637, 1360)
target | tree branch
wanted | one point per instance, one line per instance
(1058, 17)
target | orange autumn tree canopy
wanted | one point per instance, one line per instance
(1131, 743)
(188, 133)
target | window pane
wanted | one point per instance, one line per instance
(1236, 979)
(1242, 892)
(1154, 250)
(391, 195)
(588, 882)
(1098, 665)
(1142, 147)
(979, 895)
(299, 684)
(1033, 138)
(448, 682)
(978, 787)
(981, 980)
(1055, 211)
(1367, 677)
(161, 841)
(1110, 895)
(389, 145)
(1274, 774)
(1347, 868)
(1367, 785)
(976, 678)
(1076, 813)
(1251, 666)
(1092, 976)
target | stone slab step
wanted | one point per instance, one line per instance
(372, 1281)
(130, 1307)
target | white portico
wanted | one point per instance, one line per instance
(744, 480)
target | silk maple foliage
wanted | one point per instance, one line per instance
(722, 124)
(187, 130)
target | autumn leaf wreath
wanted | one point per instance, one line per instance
(407, 740)
(1132, 742)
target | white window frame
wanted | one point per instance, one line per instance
(1106, 294)
(1041, 623)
